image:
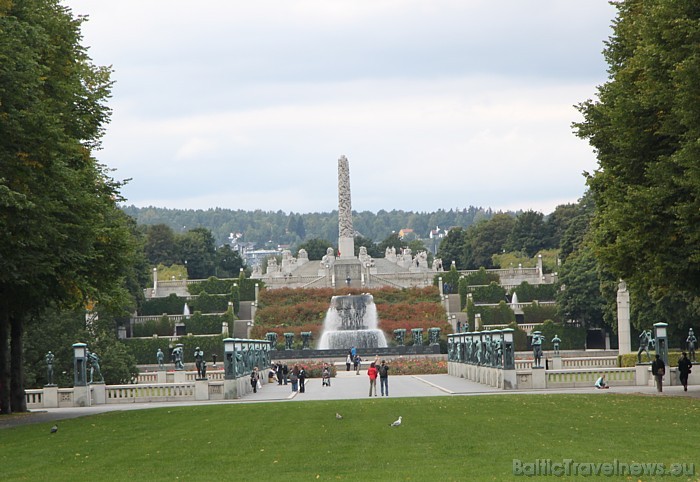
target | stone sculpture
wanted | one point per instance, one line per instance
(160, 356)
(94, 361)
(691, 343)
(645, 341)
(49, 368)
(537, 339)
(555, 344)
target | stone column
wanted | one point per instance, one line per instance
(346, 242)
(623, 319)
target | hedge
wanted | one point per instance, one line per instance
(145, 349)
(536, 313)
(572, 337)
(630, 359)
(527, 292)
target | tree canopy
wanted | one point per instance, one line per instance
(645, 127)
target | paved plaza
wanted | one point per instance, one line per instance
(345, 386)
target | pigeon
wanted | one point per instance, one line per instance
(54, 429)
(338, 416)
(396, 423)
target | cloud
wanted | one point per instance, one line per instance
(436, 104)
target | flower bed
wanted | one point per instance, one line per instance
(416, 366)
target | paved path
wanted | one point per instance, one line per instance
(346, 386)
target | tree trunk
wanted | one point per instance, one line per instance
(4, 385)
(18, 399)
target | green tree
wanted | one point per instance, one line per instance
(644, 127)
(160, 246)
(528, 233)
(228, 262)
(316, 248)
(63, 241)
(581, 298)
(391, 241)
(486, 239)
(198, 252)
(452, 248)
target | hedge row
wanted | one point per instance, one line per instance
(197, 324)
(175, 305)
(630, 359)
(214, 285)
(145, 349)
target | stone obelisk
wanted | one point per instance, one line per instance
(347, 269)
(346, 242)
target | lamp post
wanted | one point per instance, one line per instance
(661, 341)
(229, 358)
(79, 364)
(508, 349)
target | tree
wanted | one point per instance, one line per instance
(644, 127)
(487, 238)
(196, 247)
(63, 240)
(160, 247)
(228, 262)
(452, 248)
(316, 248)
(581, 298)
(371, 246)
(528, 233)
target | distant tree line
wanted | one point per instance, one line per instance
(268, 229)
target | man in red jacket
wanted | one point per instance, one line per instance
(372, 373)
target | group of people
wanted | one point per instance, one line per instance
(382, 372)
(658, 370)
(353, 359)
(296, 377)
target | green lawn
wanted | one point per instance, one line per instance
(443, 438)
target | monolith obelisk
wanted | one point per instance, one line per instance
(347, 269)
(346, 242)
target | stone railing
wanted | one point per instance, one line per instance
(161, 392)
(585, 378)
(176, 318)
(574, 362)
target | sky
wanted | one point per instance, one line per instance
(437, 104)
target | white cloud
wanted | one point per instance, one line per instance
(436, 104)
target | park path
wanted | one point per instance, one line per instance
(345, 386)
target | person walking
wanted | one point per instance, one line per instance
(684, 365)
(372, 373)
(302, 379)
(254, 378)
(384, 378)
(348, 362)
(358, 364)
(278, 369)
(658, 368)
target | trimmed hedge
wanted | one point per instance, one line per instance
(527, 292)
(144, 349)
(536, 313)
(630, 359)
(572, 337)
(493, 293)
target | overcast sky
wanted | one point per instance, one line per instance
(436, 103)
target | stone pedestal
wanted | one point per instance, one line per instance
(510, 380)
(230, 389)
(99, 394)
(556, 362)
(623, 319)
(81, 396)
(642, 374)
(179, 376)
(201, 390)
(162, 376)
(348, 269)
(539, 378)
(50, 396)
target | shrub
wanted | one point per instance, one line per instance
(493, 293)
(527, 292)
(536, 313)
(572, 337)
(492, 315)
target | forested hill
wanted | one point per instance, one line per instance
(273, 228)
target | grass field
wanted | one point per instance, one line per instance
(443, 438)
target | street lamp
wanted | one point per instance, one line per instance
(79, 364)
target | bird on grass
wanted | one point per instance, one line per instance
(54, 429)
(396, 423)
(338, 416)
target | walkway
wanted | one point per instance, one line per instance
(347, 385)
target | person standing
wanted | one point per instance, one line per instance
(285, 373)
(348, 362)
(358, 364)
(254, 377)
(302, 379)
(684, 365)
(372, 373)
(384, 378)
(294, 378)
(658, 368)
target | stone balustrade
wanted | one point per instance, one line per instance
(157, 392)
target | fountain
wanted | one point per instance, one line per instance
(351, 321)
